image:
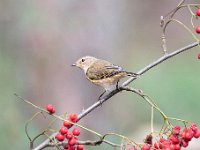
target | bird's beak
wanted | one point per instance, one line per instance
(73, 65)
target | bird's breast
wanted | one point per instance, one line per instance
(108, 82)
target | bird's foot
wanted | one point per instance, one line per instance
(100, 97)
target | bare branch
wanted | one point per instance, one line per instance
(160, 60)
(94, 143)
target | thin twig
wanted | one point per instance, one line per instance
(123, 137)
(26, 128)
(27, 123)
(160, 60)
(147, 99)
(152, 109)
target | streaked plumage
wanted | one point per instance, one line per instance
(101, 72)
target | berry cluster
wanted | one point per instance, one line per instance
(198, 15)
(71, 137)
(198, 27)
(176, 140)
(64, 132)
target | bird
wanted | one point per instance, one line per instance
(102, 73)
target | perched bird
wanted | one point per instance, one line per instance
(102, 72)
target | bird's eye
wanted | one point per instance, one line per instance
(82, 60)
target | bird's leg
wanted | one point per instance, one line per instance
(117, 85)
(101, 95)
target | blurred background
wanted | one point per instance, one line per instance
(40, 39)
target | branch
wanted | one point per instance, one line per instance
(94, 143)
(88, 142)
(117, 90)
(160, 60)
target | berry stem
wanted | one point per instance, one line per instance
(27, 123)
(123, 137)
(151, 102)
(193, 35)
(152, 110)
(181, 120)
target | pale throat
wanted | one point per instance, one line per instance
(85, 68)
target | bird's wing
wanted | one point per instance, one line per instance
(102, 69)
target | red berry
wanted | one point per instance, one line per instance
(53, 111)
(69, 135)
(177, 127)
(162, 140)
(72, 142)
(172, 147)
(145, 147)
(176, 130)
(73, 117)
(80, 147)
(188, 134)
(198, 29)
(50, 109)
(76, 132)
(198, 56)
(198, 12)
(184, 144)
(67, 124)
(71, 148)
(166, 143)
(174, 139)
(63, 130)
(193, 126)
(177, 147)
(167, 148)
(156, 145)
(197, 135)
(60, 137)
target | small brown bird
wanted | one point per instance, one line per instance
(102, 72)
